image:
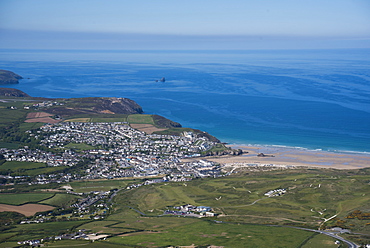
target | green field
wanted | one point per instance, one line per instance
(42, 230)
(112, 119)
(9, 116)
(9, 145)
(166, 231)
(140, 119)
(320, 240)
(28, 168)
(79, 146)
(29, 126)
(83, 243)
(16, 165)
(239, 199)
(19, 199)
(98, 185)
(204, 233)
(60, 200)
(234, 198)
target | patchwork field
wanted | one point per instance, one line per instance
(147, 128)
(311, 197)
(37, 115)
(42, 117)
(245, 213)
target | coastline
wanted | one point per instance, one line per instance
(290, 156)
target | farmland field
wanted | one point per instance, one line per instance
(26, 209)
(78, 120)
(113, 119)
(18, 199)
(41, 230)
(309, 197)
(29, 126)
(9, 115)
(98, 185)
(203, 233)
(9, 145)
(60, 200)
(140, 119)
(28, 168)
(245, 212)
(79, 146)
(15, 165)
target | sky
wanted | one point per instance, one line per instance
(188, 25)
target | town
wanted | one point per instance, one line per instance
(115, 150)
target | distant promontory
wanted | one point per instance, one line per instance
(8, 77)
(9, 92)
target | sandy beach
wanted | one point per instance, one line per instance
(296, 157)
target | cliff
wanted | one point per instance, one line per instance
(8, 77)
(9, 92)
(162, 122)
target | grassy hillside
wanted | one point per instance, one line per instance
(312, 195)
(245, 213)
(15, 168)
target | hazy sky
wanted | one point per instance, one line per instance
(190, 24)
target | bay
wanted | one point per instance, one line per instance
(314, 99)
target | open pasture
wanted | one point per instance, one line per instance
(99, 185)
(9, 116)
(203, 233)
(320, 240)
(29, 126)
(310, 197)
(28, 168)
(42, 230)
(140, 119)
(9, 145)
(60, 200)
(79, 146)
(22, 198)
(112, 119)
(84, 243)
(16, 165)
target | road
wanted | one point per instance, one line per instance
(349, 243)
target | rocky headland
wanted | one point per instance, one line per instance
(9, 92)
(8, 77)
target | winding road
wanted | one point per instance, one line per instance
(333, 235)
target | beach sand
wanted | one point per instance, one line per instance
(295, 157)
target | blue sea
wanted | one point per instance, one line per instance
(313, 99)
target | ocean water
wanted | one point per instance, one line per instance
(314, 99)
